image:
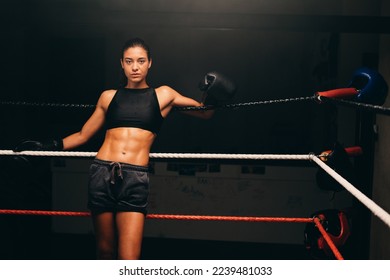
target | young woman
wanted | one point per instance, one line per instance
(119, 183)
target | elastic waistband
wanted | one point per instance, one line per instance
(123, 165)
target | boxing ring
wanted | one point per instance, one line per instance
(372, 206)
(318, 160)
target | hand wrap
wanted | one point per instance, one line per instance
(31, 145)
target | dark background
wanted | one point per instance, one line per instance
(69, 51)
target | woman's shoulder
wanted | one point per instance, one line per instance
(106, 96)
(109, 93)
(165, 90)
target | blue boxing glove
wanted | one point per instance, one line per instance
(217, 88)
(30, 145)
(372, 87)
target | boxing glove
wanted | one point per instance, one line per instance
(366, 86)
(31, 145)
(216, 88)
(372, 87)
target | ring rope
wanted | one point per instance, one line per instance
(372, 206)
(375, 208)
(315, 220)
(230, 218)
(44, 213)
(245, 104)
(165, 155)
(187, 108)
(46, 104)
(360, 106)
(319, 99)
(328, 240)
(164, 216)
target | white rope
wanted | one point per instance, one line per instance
(375, 209)
(164, 155)
(230, 156)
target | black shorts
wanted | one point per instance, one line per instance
(115, 186)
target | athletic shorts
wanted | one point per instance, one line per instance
(115, 186)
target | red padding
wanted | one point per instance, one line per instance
(354, 151)
(351, 151)
(340, 92)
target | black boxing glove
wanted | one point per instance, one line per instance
(49, 145)
(216, 88)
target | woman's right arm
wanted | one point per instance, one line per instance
(93, 124)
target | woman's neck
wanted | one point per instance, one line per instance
(137, 85)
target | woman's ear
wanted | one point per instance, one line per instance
(150, 63)
(121, 63)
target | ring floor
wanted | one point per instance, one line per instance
(81, 247)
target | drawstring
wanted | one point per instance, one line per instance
(116, 171)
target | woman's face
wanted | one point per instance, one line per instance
(135, 64)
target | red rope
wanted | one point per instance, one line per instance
(163, 216)
(229, 218)
(328, 240)
(43, 213)
(192, 217)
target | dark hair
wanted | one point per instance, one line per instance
(137, 42)
(131, 43)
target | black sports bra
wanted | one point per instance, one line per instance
(135, 108)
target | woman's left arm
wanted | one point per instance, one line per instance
(171, 98)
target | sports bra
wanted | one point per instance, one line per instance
(135, 108)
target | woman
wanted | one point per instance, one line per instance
(118, 184)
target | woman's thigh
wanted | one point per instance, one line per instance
(130, 227)
(105, 233)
